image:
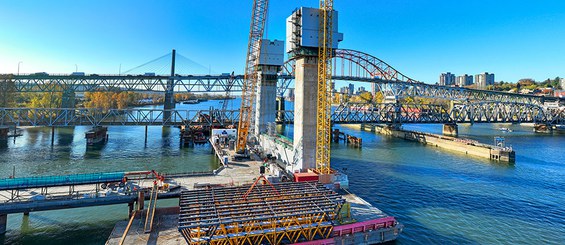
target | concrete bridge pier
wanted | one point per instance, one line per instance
(266, 99)
(450, 129)
(305, 111)
(542, 128)
(4, 132)
(280, 108)
(3, 223)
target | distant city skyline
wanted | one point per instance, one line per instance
(421, 39)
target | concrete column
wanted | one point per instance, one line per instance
(266, 98)
(305, 111)
(281, 107)
(3, 223)
(4, 132)
(450, 129)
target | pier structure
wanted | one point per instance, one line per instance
(497, 152)
(450, 129)
(270, 62)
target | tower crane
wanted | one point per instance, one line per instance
(246, 113)
(323, 103)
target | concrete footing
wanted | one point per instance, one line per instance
(542, 128)
(450, 129)
(3, 223)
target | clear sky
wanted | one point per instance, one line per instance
(421, 38)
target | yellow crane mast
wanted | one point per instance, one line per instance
(325, 52)
(246, 113)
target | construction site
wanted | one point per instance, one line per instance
(271, 189)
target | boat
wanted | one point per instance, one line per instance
(505, 129)
(195, 101)
(96, 135)
(199, 138)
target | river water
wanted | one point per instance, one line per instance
(441, 197)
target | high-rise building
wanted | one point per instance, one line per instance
(351, 89)
(464, 80)
(562, 82)
(361, 89)
(446, 79)
(484, 79)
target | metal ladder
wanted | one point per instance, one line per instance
(151, 209)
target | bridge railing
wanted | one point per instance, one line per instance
(343, 114)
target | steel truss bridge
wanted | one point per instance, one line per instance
(349, 65)
(386, 113)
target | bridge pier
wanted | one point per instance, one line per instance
(265, 106)
(3, 223)
(305, 111)
(450, 129)
(542, 128)
(280, 109)
(4, 132)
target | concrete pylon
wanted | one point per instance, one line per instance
(170, 90)
(266, 99)
(450, 129)
(305, 111)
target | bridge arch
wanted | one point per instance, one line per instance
(357, 64)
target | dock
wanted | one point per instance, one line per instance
(461, 145)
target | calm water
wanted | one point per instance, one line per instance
(441, 197)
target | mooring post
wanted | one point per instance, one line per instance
(145, 134)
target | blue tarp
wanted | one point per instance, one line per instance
(63, 180)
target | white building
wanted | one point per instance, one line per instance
(446, 79)
(562, 82)
(484, 79)
(464, 80)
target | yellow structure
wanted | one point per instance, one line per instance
(258, 18)
(325, 53)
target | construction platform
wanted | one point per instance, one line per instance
(282, 213)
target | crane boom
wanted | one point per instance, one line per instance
(258, 19)
(323, 125)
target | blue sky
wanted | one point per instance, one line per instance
(420, 38)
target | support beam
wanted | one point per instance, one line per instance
(451, 129)
(265, 108)
(305, 111)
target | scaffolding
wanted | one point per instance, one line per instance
(300, 211)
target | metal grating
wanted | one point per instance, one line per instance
(302, 211)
